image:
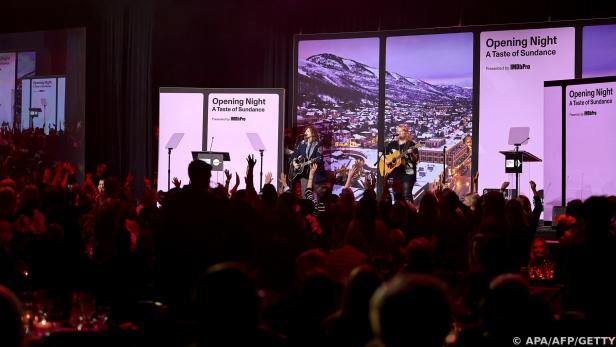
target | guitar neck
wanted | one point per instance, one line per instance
(309, 162)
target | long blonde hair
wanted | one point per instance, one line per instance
(405, 128)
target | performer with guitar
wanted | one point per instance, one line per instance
(308, 151)
(400, 160)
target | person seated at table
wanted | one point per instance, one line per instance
(11, 327)
(540, 266)
(226, 307)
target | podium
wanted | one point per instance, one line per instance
(34, 112)
(216, 159)
(513, 164)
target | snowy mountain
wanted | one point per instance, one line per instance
(346, 80)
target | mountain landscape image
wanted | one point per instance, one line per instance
(326, 76)
(339, 96)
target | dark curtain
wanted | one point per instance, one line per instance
(119, 111)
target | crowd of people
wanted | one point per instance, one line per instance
(224, 266)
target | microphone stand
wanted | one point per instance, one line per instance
(518, 161)
(169, 170)
(261, 173)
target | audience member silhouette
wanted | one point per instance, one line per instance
(411, 310)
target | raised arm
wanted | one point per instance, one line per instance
(250, 186)
(350, 175)
(283, 182)
(228, 177)
(313, 170)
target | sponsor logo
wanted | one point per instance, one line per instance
(519, 67)
(584, 114)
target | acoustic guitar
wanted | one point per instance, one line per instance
(395, 159)
(302, 169)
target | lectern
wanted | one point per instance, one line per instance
(514, 159)
(34, 112)
(216, 159)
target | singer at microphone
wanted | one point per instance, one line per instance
(308, 150)
(405, 171)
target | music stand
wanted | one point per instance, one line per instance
(173, 143)
(216, 159)
(257, 145)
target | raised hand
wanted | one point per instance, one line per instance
(504, 185)
(237, 180)
(533, 186)
(129, 179)
(47, 173)
(283, 180)
(313, 168)
(176, 182)
(268, 178)
(146, 182)
(251, 161)
(228, 175)
(353, 169)
(369, 182)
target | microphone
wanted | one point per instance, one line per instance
(393, 137)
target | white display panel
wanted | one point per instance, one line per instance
(48, 94)
(553, 149)
(7, 86)
(513, 66)
(43, 96)
(230, 117)
(25, 103)
(590, 141)
(179, 113)
(61, 107)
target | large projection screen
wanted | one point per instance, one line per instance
(599, 50)
(338, 94)
(514, 64)
(429, 87)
